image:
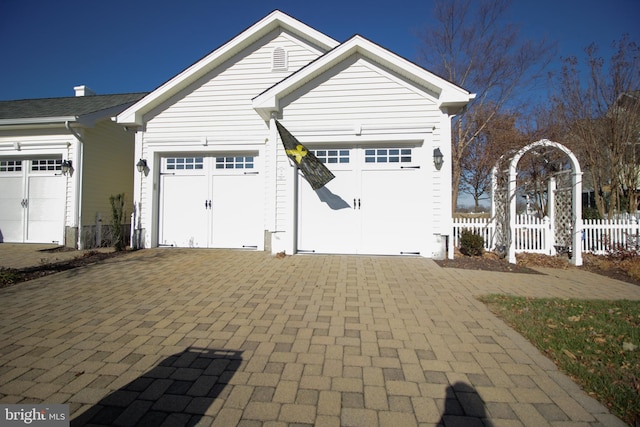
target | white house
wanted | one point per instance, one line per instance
(60, 161)
(217, 175)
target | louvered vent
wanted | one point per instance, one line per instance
(279, 59)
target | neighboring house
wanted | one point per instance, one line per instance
(41, 138)
(217, 175)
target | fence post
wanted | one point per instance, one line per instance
(548, 236)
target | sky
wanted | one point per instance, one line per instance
(120, 46)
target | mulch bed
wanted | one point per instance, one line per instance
(486, 264)
(525, 263)
(12, 276)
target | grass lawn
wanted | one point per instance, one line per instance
(597, 343)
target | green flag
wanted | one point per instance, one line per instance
(313, 170)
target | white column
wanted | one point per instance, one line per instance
(576, 181)
(551, 213)
(137, 239)
(511, 253)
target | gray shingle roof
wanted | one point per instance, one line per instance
(64, 107)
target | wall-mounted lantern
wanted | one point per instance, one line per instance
(141, 165)
(66, 167)
(438, 158)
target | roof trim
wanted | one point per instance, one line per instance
(450, 95)
(134, 114)
(38, 120)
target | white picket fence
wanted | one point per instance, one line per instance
(534, 235)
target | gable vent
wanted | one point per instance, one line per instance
(279, 59)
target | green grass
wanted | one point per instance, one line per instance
(595, 342)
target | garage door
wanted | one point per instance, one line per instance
(372, 206)
(210, 202)
(31, 201)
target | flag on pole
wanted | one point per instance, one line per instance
(313, 170)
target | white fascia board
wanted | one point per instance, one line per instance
(38, 121)
(134, 114)
(449, 93)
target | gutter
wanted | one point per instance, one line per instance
(78, 173)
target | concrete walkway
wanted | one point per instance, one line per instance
(223, 338)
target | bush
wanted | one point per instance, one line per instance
(590, 213)
(471, 244)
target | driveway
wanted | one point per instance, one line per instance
(221, 338)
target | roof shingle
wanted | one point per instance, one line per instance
(64, 107)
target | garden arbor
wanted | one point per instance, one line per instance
(564, 204)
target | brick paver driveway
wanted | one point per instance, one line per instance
(216, 337)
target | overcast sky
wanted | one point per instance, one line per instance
(121, 46)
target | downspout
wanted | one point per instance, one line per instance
(79, 172)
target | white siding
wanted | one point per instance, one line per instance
(360, 93)
(219, 106)
(217, 111)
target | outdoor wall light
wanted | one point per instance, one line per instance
(141, 165)
(438, 158)
(66, 167)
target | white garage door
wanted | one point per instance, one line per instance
(372, 206)
(211, 202)
(31, 201)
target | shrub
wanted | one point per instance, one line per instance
(590, 213)
(471, 244)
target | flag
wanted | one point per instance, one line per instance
(313, 170)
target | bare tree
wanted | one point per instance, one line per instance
(481, 156)
(602, 116)
(472, 44)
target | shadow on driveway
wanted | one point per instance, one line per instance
(178, 390)
(464, 407)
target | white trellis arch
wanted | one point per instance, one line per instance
(503, 206)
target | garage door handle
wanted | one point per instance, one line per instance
(356, 205)
(207, 204)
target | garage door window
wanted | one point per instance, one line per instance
(10, 165)
(185, 163)
(46, 165)
(332, 156)
(237, 162)
(387, 155)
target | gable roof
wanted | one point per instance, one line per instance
(449, 95)
(134, 114)
(84, 109)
